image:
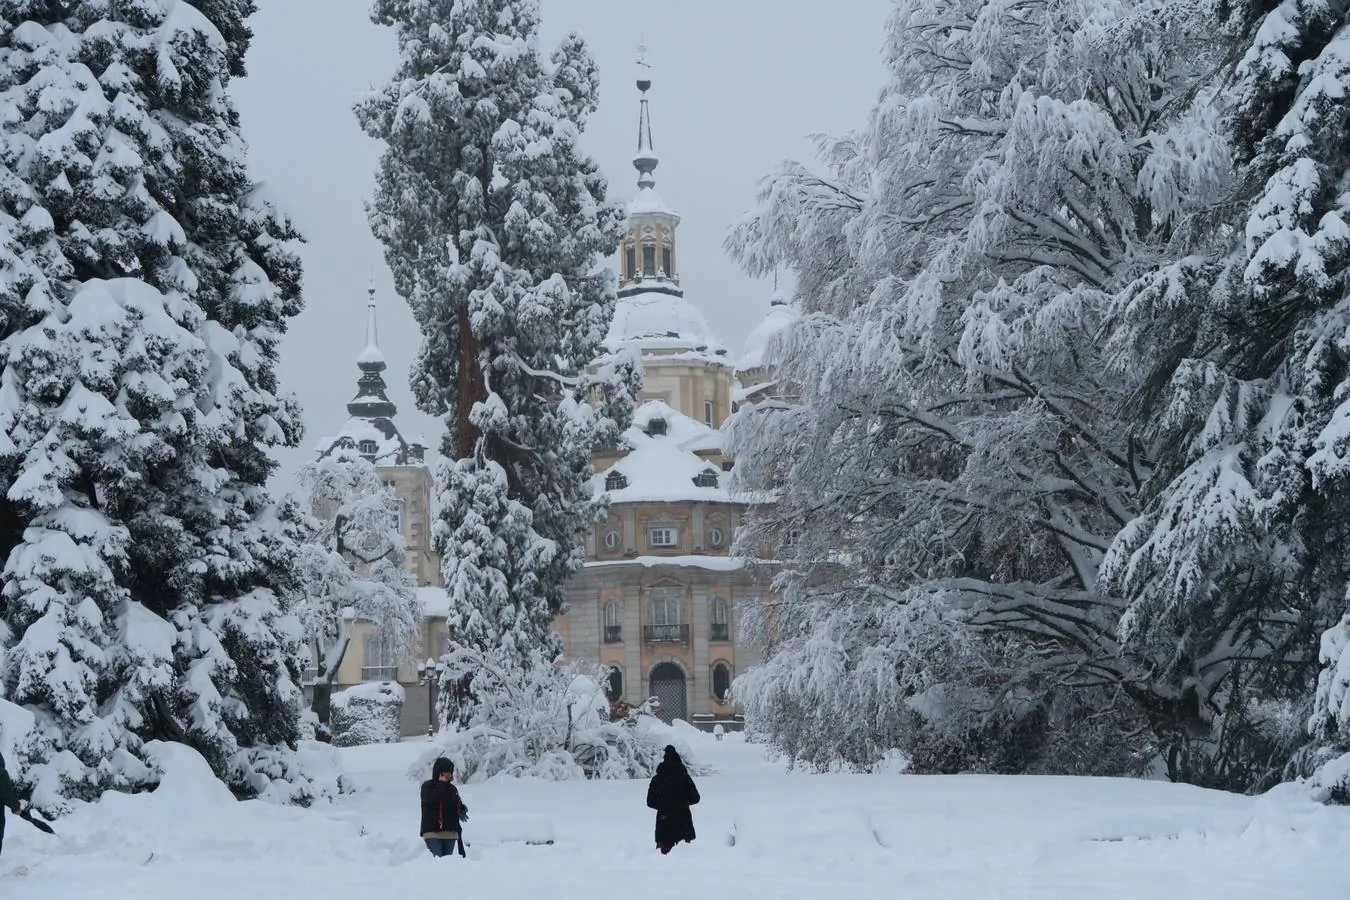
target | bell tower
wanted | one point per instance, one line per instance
(647, 257)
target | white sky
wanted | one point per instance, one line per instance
(737, 86)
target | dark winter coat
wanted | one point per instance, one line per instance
(671, 793)
(9, 796)
(442, 808)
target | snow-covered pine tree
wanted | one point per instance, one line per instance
(494, 224)
(351, 562)
(145, 286)
(1240, 561)
(953, 422)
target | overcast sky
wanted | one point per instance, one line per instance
(737, 86)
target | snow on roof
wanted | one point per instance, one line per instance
(370, 356)
(435, 602)
(715, 563)
(661, 468)
(742, 392)
(752, 355)
(648, 201)
(389, 448)
(688, 433)
(654, 320)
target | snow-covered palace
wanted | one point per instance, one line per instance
(660, 597)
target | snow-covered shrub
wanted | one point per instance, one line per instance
(311, 773)
(545, 721)
(368, 713)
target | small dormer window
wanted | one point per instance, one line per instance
(367, 448)
(615, 480)
(656, 425)
(707, 478)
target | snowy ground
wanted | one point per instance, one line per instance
(762, 832)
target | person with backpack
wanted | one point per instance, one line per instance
(442, 810)
(9, 797)
(671, 793)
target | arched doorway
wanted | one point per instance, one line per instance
(668, 687)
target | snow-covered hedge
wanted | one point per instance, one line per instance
(546, 721)
(368, 714)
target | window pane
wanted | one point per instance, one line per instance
(665, 261)
(649, 259)
(630, 259)
(721, 681)
(665, 606)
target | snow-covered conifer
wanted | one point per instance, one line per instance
(351, 564)
(1239, 560)
(494, 224)
(144, 286)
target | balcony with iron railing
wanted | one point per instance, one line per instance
(719, 632)
(379, 673)
(613, 634)
(666, 634)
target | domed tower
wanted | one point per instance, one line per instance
(684, 364)
(754, 380)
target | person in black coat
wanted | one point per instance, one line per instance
(9, 797)
(671, 793)
(442, 810)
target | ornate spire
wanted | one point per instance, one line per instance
(372, 398)
(371, 359)
(645, 161)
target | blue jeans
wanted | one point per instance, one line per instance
(440, 846)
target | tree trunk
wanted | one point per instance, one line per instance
(323, 701)
(471, 387)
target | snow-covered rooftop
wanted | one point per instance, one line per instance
(646, 202)
(714, 563)
(779, 317)
(664, 467)
(656, 320)
(435, 602)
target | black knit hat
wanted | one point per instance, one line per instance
(672, 755)
(441, 766)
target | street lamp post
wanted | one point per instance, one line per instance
(429, 674)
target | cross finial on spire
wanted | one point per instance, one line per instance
(645, 161)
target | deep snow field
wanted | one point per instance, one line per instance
(762, 832)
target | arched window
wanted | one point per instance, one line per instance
(721, 682)
(612, 538)
(613, 623)
(721, 626)
(379, 656)
(614, 683)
